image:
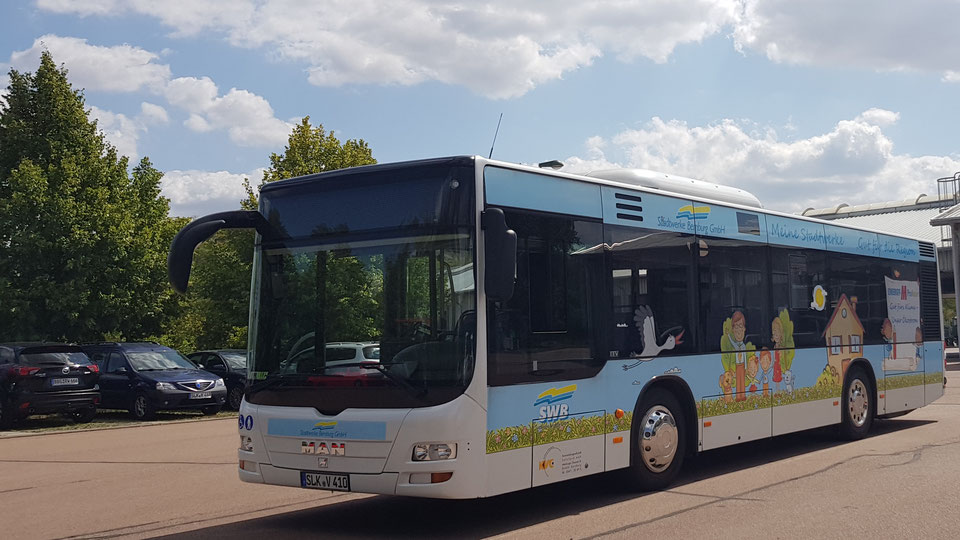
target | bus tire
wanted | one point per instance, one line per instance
(658, 440)
(857, 415)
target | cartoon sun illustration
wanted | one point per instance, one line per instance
(819, 298)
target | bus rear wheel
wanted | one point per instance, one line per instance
(857, 405)
(659, 440)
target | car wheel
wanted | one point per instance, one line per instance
(235, 397)
(210, 410)
(659, 440)
(83, 415)
(857, 405)
(141, 408)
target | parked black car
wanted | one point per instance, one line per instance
(231, 365)
(146, 377)
(46, 378)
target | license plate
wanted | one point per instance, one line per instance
(199, 395)
(334, 482)
(67, 381)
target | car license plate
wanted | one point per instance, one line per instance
(199, 395)
(64, 381)
(334, 482)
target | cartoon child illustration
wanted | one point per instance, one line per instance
(752, 368)
(889, 338)
(766, 371)
(734, 341)
(776, 330)
(726, 384)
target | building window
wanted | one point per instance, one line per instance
(855, 344)
(835, 344)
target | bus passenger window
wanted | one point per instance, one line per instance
(549, 329)
(652, 278)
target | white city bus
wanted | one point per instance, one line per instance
(463, 327)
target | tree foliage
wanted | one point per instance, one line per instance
(82, 241)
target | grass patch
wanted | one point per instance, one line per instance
(106, 418)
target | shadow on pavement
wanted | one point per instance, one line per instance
(399, 517)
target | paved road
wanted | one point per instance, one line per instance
(180, 479)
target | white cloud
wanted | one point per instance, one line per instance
(888, 36)
(498, 48)
(853, 163)
(502, 48)
(122, 68)
(195, 193)
(124, 132)
(879, 117)
(153, 114)
(246, 117)
(120, 130)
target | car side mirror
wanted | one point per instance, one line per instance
(500, 255)
(121, 370)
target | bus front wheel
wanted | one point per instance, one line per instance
(659, 440)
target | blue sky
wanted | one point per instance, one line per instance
(803, 103)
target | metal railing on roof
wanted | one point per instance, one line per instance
(948, 193)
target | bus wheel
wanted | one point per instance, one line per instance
(857, 408)
(659, 440)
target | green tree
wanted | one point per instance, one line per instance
(82, 241)
(214, 312)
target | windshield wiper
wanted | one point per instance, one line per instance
(273, 381)
(382, 368)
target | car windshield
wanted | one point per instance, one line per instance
(235, 360)
(384, 272)
(158, 360)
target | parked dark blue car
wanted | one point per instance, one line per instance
(45, 378)
(231, 365)
(146, 377)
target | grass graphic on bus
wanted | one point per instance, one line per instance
(566, 429)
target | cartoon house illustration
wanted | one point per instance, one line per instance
(844, 335)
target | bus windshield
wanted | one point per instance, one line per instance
(365, 295)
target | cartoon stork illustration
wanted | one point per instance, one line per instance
(643, 317)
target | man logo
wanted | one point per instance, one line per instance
(333, 449)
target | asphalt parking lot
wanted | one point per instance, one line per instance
(179, 478)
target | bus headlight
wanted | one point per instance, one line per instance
(434, 451)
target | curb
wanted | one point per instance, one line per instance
(40, 433)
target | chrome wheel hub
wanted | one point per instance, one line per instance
(140, 405)
(658, 439)
(857, 402)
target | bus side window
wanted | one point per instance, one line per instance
(734, 291)
(548, 330)
(652, 279)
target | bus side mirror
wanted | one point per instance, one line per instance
(180, 257)
(500, 255)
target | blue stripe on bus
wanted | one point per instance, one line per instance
(520, 189)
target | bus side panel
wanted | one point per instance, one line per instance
(933, 374)
(508, 471)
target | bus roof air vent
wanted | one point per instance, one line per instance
(679, 184)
